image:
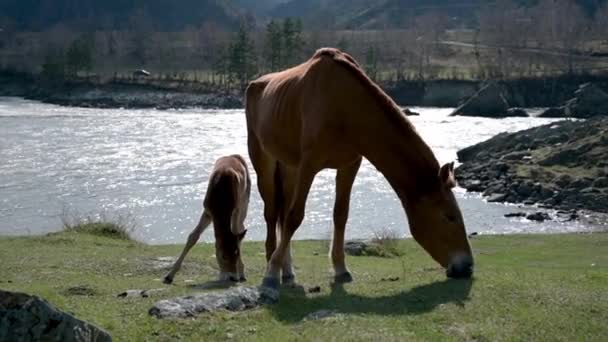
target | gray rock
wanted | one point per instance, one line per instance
(563, 181)
(497, 198)
(590, 190)
(525, 189)
(233, 299)
(580, 183)
(321, 314)
(601, 182)
(31, 318)
(355, 248)
(553, 112)
(517, 112)
(589, 100)
(489, 101)
(409, 112)
(475, 185)
(139, 293)
(539, 216)
(515, 215)
(517, 155)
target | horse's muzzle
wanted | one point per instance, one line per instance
(461, 268)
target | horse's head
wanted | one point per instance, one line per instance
(437, 225)
(227, 252)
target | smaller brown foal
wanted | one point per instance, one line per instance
(225, 206)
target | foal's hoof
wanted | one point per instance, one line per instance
(272, 283)
(168, 280)
(345, 277)
(288, 280)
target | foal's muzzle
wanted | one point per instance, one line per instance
(461, 267)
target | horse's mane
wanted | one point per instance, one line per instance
(389, 106)
(392, 110)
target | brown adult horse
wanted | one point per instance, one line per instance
(326, 113)
(226, 202)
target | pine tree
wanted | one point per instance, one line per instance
(292, 41)
(274, 45)
(80, 55)
(242, 65)
(371, 62)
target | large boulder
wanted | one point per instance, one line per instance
(492, 101)
(589, 100)
(553, 112)
(30, 318)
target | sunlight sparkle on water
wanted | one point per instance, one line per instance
(153, 165)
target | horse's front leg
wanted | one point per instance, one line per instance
(344, 183)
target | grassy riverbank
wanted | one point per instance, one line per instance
(532, 287)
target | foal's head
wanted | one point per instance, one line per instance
(437, 225)
(227, 253)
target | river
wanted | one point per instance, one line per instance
(150, 168)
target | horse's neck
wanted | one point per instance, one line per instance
(393, 146)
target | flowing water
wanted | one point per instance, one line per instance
(151, 166)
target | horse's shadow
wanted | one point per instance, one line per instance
(213, 285)
(294, 305)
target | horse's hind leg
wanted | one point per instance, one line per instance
(291, 222)
(204, 222)
(344, 183)
(288, 180)
(266, 171)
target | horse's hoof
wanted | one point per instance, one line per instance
(289, 279)
(272, 283)
(242, 279)
(343, 278)
(168, 280)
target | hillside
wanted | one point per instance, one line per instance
(92, 14)
(378, 14)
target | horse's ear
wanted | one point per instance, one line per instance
(446, 175)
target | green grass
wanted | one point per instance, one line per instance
(526, 287)
(106, 229)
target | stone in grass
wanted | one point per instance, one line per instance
(321, 314)
(234, 299)
(355, 248)
(139, 293)
(31, 318)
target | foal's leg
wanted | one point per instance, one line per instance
(344, 183)
(204, 222)
(240, 267)
(291, 222)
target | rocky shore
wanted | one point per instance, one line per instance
(117, 94)
(563, 165)
(493, 99)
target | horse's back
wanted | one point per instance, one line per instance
(228, 189)
(297, 109)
